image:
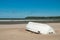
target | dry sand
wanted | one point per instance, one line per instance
(17, 32)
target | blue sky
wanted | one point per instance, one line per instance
(23, 8)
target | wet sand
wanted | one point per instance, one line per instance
(18, 32)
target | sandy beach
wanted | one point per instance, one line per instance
(18, 32)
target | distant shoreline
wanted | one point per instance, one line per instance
(25, 22)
